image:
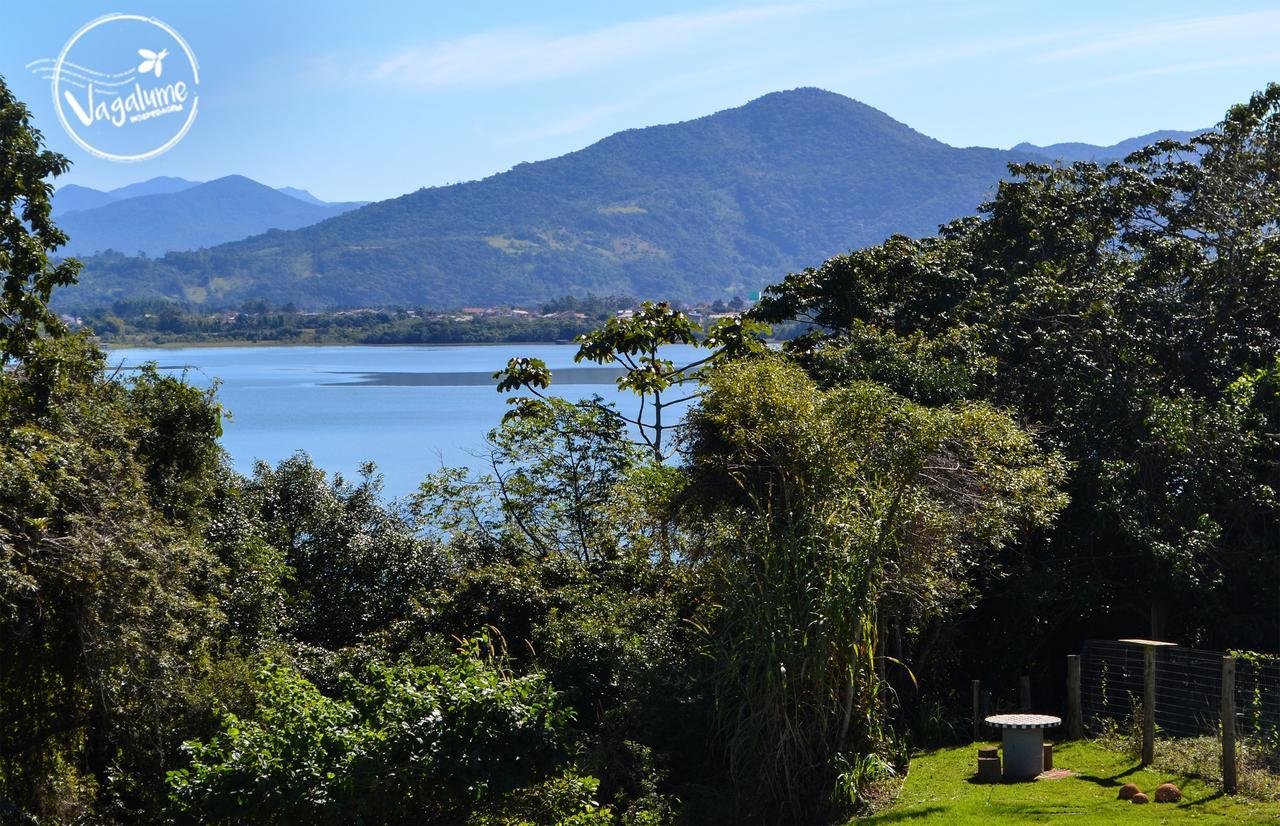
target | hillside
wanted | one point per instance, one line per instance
(707, 208)
(1070, 152)
(73, 197)
(187, 218)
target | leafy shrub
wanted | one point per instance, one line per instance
(403, 743)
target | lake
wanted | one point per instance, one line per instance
(409, 409)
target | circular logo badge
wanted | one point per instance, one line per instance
(126, 87)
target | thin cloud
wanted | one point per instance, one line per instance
(924, 58)
(1233, 26)
(1165, 71)
(500, 58)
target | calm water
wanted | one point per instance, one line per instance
(408, 409)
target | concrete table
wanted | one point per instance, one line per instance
(1023, 741)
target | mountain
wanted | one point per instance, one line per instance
(72, 197)
(707, 208)
(187, 217)
(1071, 152)
(161, 185)
(300, 194)
(712, 207)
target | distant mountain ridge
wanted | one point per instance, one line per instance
(707, 208)
(168, 214)
(1071, 152)
(73, 197)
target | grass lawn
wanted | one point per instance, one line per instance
(938, 790)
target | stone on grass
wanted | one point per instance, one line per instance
(1128, 790)
(1168, 793)
(1140, 798)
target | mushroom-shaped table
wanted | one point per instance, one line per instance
(1023, 736)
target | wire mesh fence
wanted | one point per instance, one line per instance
(1188, 691)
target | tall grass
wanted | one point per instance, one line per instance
(798, 692)
(833, 514)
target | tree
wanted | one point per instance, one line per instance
(551, 477)
(844, 522)
(355, 566)
(636, 345)
(107, 592)
(27, 232)
(1115, 307)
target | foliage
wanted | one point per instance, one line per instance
(354, 566)
(636, 345)
(551, 477)
(745, 630)
(841, 515)
(544, 562)
(1130, 313)
(27, 234)
(107, 594)
(158, 321)
(400, 743)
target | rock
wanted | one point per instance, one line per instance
(1168, 793)
(1140, 798)
(1128, 790)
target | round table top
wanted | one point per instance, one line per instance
(1023, 721)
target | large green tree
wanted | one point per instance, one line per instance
(1124, 310)
(28, 275)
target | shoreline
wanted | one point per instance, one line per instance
(193, 345)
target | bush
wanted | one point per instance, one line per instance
(403, 743)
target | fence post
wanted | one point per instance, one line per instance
(1024, 693)
(1149, 695)
(1229, 724)
(977, 710)
(1075, 716)
(1148, 705)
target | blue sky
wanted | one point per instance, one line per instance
(374, 99)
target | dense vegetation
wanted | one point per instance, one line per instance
(1066, 407)
(699, 210)
(1132, 314)
(144, 322)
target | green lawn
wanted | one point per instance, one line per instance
(939, 790)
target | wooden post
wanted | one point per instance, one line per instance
(1229, 724)
(1149, 695)
(1075, 716)
(977, 710)
(1148, 705)
(1024, 693)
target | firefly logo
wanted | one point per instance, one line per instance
(115, 106)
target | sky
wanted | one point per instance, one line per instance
(369, 100)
